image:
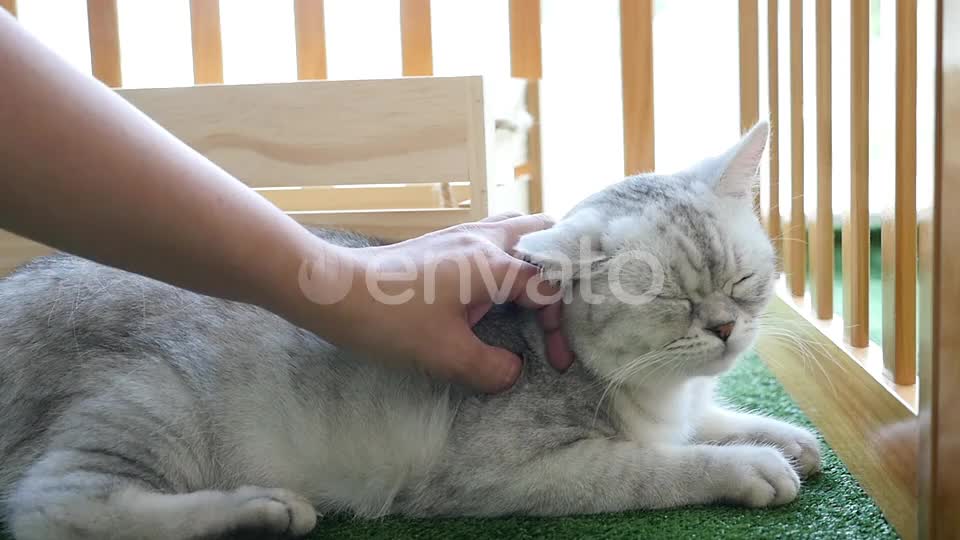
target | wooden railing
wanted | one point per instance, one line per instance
(865, 397)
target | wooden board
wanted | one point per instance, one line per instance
(305, 133)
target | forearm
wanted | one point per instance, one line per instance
(85, 172)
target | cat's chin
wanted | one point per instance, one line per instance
(721, 364)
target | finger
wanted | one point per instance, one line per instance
(476, 364)
(476, 312)
(500, 217)
(550, 317)
(505, 234)
(527, 287)
(559, 353)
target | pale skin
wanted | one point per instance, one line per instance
(83, 171)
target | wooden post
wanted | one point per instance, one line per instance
(526, 62)
(856, 231)
(796, 239)
(899, 241)
(774, 228)
(104, 32)
(939, 480)
(207, 47)
(749, 73)
(636, 46)
(311, 39)
(821, 249)
(416, 38)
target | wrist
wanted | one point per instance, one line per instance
(312, 285)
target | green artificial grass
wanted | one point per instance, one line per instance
(831, 505)
(876, 284)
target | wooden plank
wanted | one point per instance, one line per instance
(636, 53)
(305, 133)
(844, 392)
(392, 225)
(525, 44)
(390, 197)
(796, 237)
(534, 164)
(856, 230)
(102, 23)
(748, 32)
(207, 46)
(939, 479)
(416, 37)
(526, 62)
(822, 239)
(9, 5)
(481, 165)
(311, 39)
(899, 243)
(774, 228)
(16, 250)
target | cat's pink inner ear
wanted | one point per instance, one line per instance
(742, 169)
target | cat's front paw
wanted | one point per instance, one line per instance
(800, 446)
(269, 512)
(760, 477)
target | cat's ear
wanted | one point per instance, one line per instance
(569, 250)
(740, 165)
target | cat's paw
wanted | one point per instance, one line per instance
(274, 512)
(800, 446)
(760, 477)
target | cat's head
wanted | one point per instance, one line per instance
(665, 275)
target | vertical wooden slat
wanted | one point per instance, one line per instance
(748, 31)
(9, 5)
(939, 477)
(535, 166)
(416, 38)
(795, 247)
(104, 32)
(636, 46)
(526, 62)
(899, 243)
(311, 39)
(207, 47)
(525, 45)
(773, 74)
(821, 248)
(856, 230)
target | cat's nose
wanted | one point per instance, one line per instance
(722, 331)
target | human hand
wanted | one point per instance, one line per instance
(429, 291)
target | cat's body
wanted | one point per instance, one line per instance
(131, 409)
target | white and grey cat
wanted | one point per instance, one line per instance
(132, 409)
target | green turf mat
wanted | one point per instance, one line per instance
(831, 505)
(876, 285)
